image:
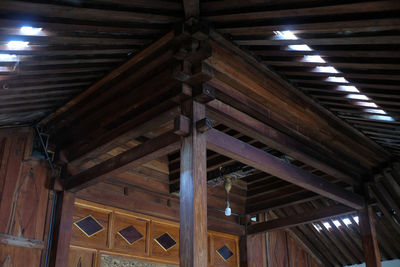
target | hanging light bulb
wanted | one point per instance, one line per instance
(228, 210)
(228, 186)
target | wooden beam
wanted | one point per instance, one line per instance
(368, 236)
(104, 145)
(291, 221)
(263, 161)
(192, 8)
(276, 139)
(111, 76)
(193, 192)
(308, 11)
(62, 232)
(148, 151)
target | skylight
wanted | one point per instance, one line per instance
(17, 45)
(27, 30)
(347, 221)
(325, 69)
(347, 88)
(357, 96)
(285, 35)
(378, 111)
(301, 47)
(8, 58)
(289, 35)
(337, 223)
(327, 225)
(336, 79)
(313, 59)
(380, 117)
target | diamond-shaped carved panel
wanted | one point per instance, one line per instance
(225, 252)
(89, 226)
(130, 234)
(165, 241)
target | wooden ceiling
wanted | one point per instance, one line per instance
(360, 39)
(94, 54)
(79, 43)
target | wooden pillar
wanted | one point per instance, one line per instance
(62, 229)
(368, 235)
(193, 192)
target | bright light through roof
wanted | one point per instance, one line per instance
(347, 88)
(285, 35)
(366, 104)
(313, 59)
(17, 45)
(377, 111)
(337, 223)
(358, 97)
(30, 30)
(300, 47)
(288, 35)
(317, 227)
(347, 221)
(8, 58)
(380, 117)
(325, 69)
(337, 79)
(327, 225)
(356, 219)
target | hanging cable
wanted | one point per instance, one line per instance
(53, 204)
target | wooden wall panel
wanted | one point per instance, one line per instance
(81, 257)
(219, 240)
(277, 249)
(29, 205)
(285, 251)
(142, 225)
(98, 240)
(156, 251)
(24, 200)
(11, 256)
(297, 256)
(87, 249)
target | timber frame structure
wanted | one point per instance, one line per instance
(193, 107)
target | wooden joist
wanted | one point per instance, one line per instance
(111, 76)
(88, 14)
(261, 160)
(150, 150)
(106, 144)
(278, 140)
(326, 41)
(361, 7)
(307, 217)
(316, 27)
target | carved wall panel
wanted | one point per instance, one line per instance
(93, 232)
(223, 250)
(115, 261)
(128, 235)
(164, 241)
